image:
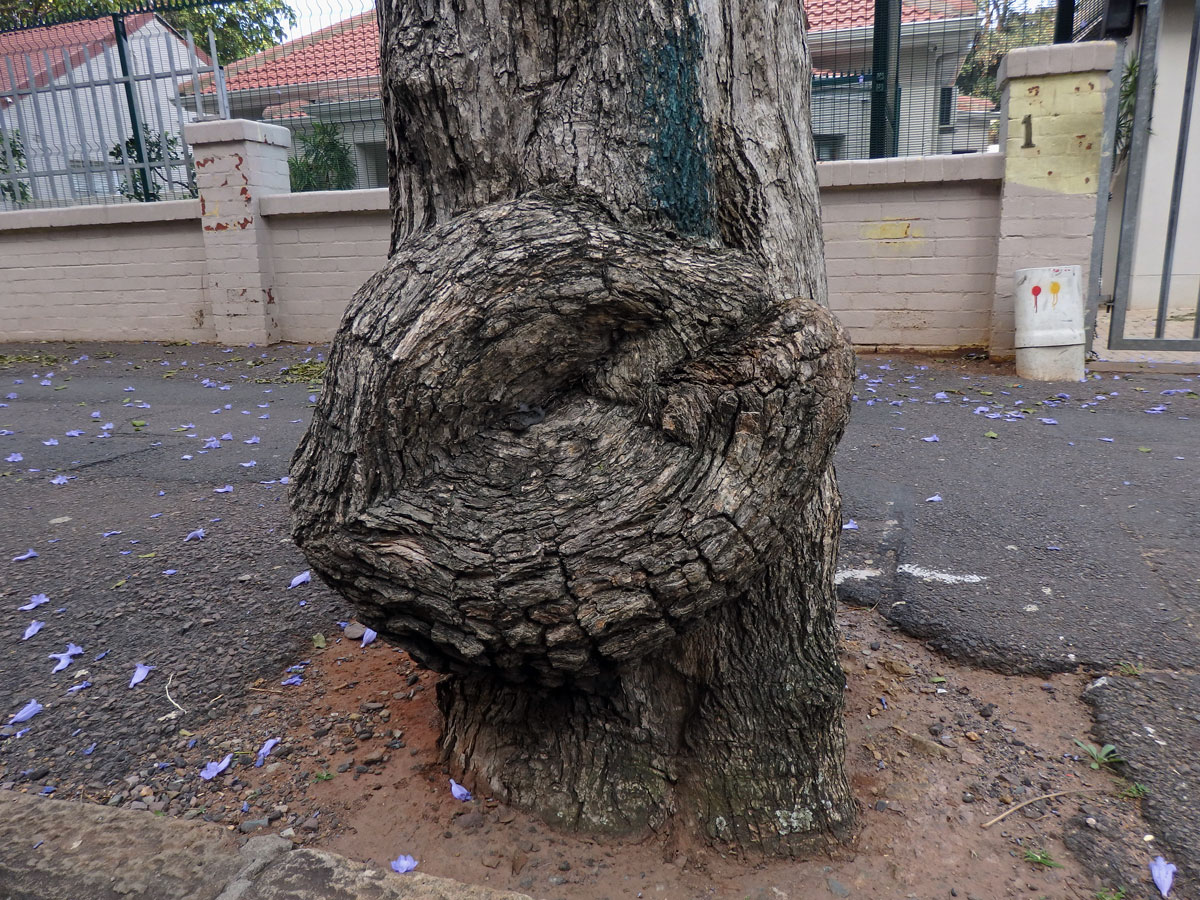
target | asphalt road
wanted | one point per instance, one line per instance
(1067, 535)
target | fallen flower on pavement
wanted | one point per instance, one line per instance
(292, 681)
(368, 636)
(303, 578)
(403, 863)
(34, 627)
(264, 751)
(28, 554)
(1163, 874)
(140, 673)
(28, 711)
(35, 601)
(213, 769)
(936, 498)
(197, 535)
(64, 658)
(76, 688)
(459, 792)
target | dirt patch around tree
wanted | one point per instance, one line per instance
(935, 750)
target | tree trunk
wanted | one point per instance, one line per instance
(574, 448)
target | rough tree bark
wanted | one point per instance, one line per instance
(575, 445)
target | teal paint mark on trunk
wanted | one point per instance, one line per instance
(680, 178)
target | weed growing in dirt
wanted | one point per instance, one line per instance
(1135, 791)
(1042, 858)
(1111, 894)
(323, 776)
(1100, 756)
(8, 360)
(1129, 670)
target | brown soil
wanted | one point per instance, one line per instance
(924, 799)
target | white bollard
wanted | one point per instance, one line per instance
(1049, 318)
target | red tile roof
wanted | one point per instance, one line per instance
(829, 15)
(81, 40)
(350, 49)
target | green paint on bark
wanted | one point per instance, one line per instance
(680, 179)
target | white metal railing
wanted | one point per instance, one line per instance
(102, 122)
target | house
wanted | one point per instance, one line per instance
(64, 108)
(931, 118)
(332, 77)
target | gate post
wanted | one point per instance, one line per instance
(1051, 133)
(237, 162)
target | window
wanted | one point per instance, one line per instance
(946, 107)
(829, 146)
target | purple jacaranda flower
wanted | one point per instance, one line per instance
(285, 480)
(851, 525)
(248, 465)
(251, 440)
(936, 498)
(76, 688)
(264, 751)
(53, 442)
(75, 432)
(35, 601)
(227, 436)
(459, 792)
(109, 533)
(140, 673)
(941, 395)
(28, 554)
(368, 636)
(403, 863)
(15, 457)
(64, 658)
(227, 489)
(89, 750)
(212, 444)
(13, 395)
(197, 535)
(980, 409)
(1163, 874)
(292, 681)
(1106, 440)
(27, 712)
(34, 627)
(213, 769)
(59, 479)
(1048, 421)
(303, 578)
(312, 398)
(99, 656)
(932, 439)
(170, 571)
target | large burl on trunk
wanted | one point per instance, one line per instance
(574, 447)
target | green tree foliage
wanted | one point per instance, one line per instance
(240, 29)
(163, 153)
(1004, 25)
(325, 162)
(12, 160)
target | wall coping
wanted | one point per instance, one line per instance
(311, 203)
(1057, 59)
(108, 214)
(911, 170)
(222, 131)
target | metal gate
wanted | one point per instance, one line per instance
(1156, 280)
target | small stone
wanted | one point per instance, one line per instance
(564, 866)
(506, 816)
(936, 729)
(413, 679)
(973, 737)
(354, 631)
(249, 825)
(880, 805)
(556, 880)
(371, 706)
(947, 741)
(988, 710)
(875, 645)
(968, 797)
(519, 858)
(310, 824)
(491, 860)
(837, 888)
(473, 819)
(288, 832)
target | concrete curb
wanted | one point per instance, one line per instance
(53, 849)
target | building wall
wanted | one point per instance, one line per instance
(113, 273)
(910, 249)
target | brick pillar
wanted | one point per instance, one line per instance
(238, 162)
(1051, 132)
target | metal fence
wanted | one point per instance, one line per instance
(92, 111)
(890, 78)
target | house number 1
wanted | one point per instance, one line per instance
(1028, 123)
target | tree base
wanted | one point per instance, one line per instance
(733, 732)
